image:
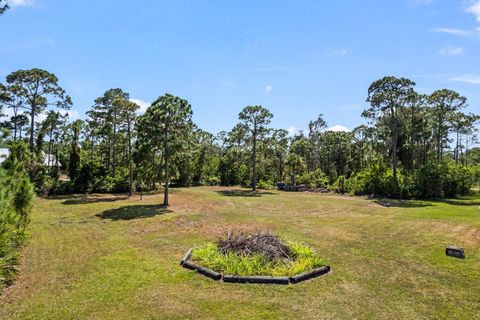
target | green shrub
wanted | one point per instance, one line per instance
(446, 179)
(262, 184)
(430, 179)
(16, 199)
(433, 180)
(314, 179)
(213, 181)
(340, 185)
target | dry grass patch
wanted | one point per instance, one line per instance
(80, 263)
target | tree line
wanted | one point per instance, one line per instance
(412, 145)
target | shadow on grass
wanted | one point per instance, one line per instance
(90, 199)
(243, 193)
(388, 203)
(462, 202)
(133, 212)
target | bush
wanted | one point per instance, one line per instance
(444, 179)
(430, 179)
(340, 185)
(436, 179)
(16, 199)
(262, 184)
(314, 179)
(213, 181)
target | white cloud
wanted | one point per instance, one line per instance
(338, 128)
(474, 8)
(291, 131)
(41, 117)
(268, 89)
(72, 114)
(450, 51)
(19, 3)
(143, 105)
(453, 31)
(7, 113)
(295, 131)
(467, 78)
(337, 53)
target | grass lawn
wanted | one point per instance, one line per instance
(109, 257)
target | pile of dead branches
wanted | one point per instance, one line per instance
(263, 243)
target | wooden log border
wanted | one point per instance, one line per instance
(256, 279)
(252, 279)
(310, 274)
(186, 256)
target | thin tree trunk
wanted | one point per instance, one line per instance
(114, 151)
(32, 126)
(254, 160)
(50, 152)
(130, 156)
(457, 148)
(394, 155)
(167, 173)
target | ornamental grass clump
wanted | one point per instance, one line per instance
(259, 254)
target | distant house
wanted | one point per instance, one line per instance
(49, 160)
(4, 153)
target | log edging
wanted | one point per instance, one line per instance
(187, 264)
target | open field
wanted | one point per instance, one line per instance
(109, 257)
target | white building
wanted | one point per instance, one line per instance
(4, 153)
(49, 160)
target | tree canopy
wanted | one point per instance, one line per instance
(409, 143)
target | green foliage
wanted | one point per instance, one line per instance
(370, 181)
(255, 120)
(414, 145)
(314, 179)
(3, 7)
(434, 180)
(38, 87)
(166, 126)
(213, 181)
(74, 159)
(446, 179)
(16, 199)
(210, 256)
(340, 185)
(262, 184)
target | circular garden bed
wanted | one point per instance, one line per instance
(255, 258)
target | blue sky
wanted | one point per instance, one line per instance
(297, 58)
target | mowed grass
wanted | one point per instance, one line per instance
(110, 257)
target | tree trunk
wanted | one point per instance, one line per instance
(130, 168)
(114, 151)
(167, 173)
(50, 152)
(32, 126)
(254, 161)
(439, 139)
(394, 155)
(457, 148)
